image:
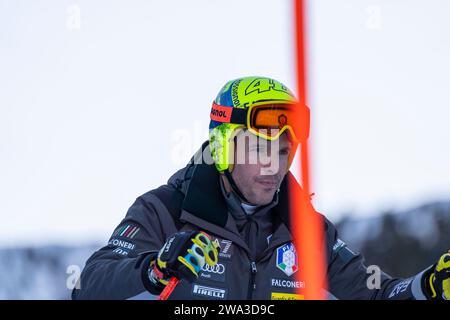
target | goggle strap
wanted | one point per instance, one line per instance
(226, 114)
(239, 116)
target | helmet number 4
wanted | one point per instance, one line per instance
(263, 85)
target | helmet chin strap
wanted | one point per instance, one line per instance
(234, 187)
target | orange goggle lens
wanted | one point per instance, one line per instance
(270, 121)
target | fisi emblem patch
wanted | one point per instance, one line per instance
(287, 259)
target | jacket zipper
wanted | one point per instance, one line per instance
(253, 270)
(251, 283)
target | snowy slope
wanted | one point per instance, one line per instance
(401, 243)
(41, 272)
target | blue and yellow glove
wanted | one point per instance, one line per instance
(183, 256)
(438, 282)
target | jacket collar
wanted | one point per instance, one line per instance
(235, 205)
(205, 199)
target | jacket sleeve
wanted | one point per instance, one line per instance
(116, 271)
(349, 278)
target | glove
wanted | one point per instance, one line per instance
(438, 282)
(182, 256)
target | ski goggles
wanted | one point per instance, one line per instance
(267, 120)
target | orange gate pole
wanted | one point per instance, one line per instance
(307, 226)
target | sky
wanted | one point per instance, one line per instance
(101, 101)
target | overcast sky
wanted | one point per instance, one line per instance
(100, 101)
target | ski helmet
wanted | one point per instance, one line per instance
(256, 104)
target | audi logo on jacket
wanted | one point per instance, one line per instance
(219, 268)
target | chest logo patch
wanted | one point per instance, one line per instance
(226, 248)
(287, 259)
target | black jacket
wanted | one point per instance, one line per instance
(257, 258)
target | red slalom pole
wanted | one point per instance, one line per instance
(307, 226)
(168, 289)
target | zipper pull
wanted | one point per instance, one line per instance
(254, 270)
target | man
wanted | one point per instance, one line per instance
(221, 225)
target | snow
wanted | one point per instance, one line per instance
(39, 272)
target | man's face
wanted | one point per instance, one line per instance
(260, 166)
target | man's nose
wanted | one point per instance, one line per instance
(270, 166)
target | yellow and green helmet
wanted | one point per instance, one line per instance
(251, 103)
